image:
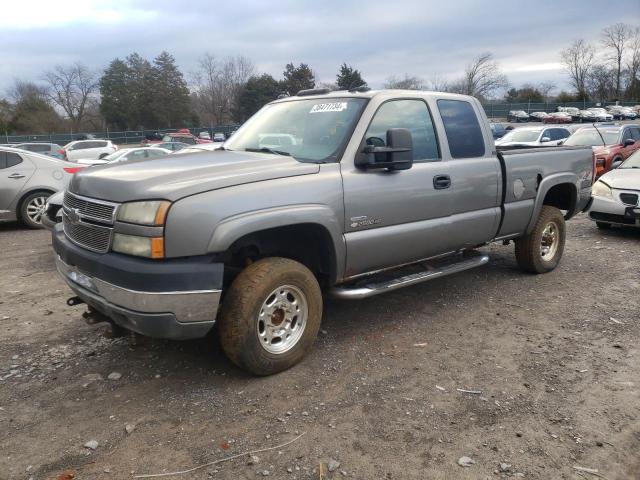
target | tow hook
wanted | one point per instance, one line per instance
(73, 301)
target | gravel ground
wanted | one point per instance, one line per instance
(550, 364)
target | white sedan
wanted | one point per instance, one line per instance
(616, 195)
(128, 154)
(533, 137)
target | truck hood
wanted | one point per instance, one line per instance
(177, 176)
(623, 178)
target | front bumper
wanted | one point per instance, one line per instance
(613, 211)
(175, 299)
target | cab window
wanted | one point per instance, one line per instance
(461, 125)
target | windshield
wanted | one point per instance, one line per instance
(308, 130)
(520, 135)
(633, 161)
(591, 138)
(114, 156)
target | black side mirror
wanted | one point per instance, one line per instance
(628, 142)
(396, 155)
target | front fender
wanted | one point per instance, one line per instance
(231, 229)
(543, 188)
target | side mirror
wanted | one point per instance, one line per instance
(561, 141)
(545, 140)
(616, 164)
(628, 142)
(396, 155)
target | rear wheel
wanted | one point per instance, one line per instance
(541, 250)
(270, 315)
(32, 208)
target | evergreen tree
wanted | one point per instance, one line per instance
(298, 78)
(115, 105)
(348, 78)
(141, 84)
(171, 95)
(258, 91)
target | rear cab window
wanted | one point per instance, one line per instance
(461, 125)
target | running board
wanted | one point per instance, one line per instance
(409, 275)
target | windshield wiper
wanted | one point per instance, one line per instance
(268, 150)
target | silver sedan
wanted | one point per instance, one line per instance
(616, 195)
(27, 179)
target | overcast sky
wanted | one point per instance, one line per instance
(380, 38)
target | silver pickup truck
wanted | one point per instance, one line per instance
(348, 193)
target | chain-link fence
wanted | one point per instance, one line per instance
(119, 138)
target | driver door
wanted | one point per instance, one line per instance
(396, 217)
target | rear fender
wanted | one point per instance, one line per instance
(543, 188)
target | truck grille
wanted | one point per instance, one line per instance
(87, 235)
(629, 198)
(93, 209)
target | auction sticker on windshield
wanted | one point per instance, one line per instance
(329, 107)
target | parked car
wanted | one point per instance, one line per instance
(601, 114)
(173, 146)
(204, 135)
(124, 154)
(219, 137)
(53, 211)
(497, 130)
(51, 149)
(365, 200)
(183, 135)
(610, 144)
(588, 116)
(573, 112)
(517, 116)
(204, 147)
(616, 195)
(557, 117)
(533, 137)
(622, 113)
(27, 179)
(537, 116)
(88, 149)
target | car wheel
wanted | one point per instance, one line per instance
(32, 208)
(603, 225)
(270, 315)
(541, 250)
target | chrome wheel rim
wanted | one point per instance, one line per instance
(549, 241)
(36, 208)
(282, 319)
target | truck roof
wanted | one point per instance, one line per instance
(373, 93)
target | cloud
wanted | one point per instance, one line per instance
(379, 38)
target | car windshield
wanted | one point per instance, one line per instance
(591, 138)
(632, 162)
(308, 130)
(520, 135)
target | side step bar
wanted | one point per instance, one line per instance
(410, 275)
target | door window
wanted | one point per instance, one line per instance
(9, 159)
(412, 115)
(461, 125)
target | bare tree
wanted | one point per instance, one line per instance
(600, 82)
(633, 67)
(482, 78)
(545, 88)
(70, 87)
(578, 60)
(219, 83)
(438, 83)
(405, 83)
(616, 38)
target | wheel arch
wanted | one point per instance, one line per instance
(558, 191)
(24, 194)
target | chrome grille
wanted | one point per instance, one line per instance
(629, 198)
(87, 235)
(93, 209)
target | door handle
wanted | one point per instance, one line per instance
(16, 176)
(440, 182)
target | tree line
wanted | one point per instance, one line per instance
(134, 92)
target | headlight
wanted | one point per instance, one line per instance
(150, 247)
(144, 213)
(601, 189)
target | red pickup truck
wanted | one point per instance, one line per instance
(610, 143)
(183, 135)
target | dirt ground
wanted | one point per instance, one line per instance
(553, 361)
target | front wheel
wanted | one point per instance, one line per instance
(270, 315)
(541, 250)
(32, 208)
